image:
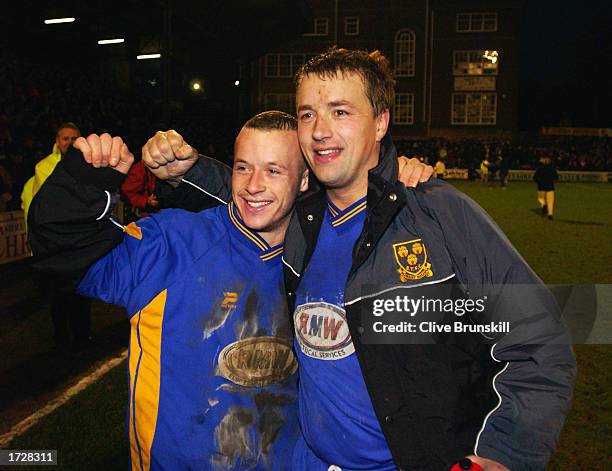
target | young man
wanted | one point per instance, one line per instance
(363, 236)
(212, 378)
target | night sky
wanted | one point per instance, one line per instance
(566, 45)
(566, 52)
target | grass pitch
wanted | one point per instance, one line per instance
(89, 431)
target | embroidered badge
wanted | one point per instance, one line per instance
(411, 257)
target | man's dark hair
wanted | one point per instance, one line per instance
(68, 125)
(373, 68)
(272, 120)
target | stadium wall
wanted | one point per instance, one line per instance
(527, 175)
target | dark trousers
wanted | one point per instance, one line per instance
(71, 316)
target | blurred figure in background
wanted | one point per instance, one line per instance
(484, 170)
(545, 177)
(66, 134)
(138, 190)
(70, 313)
(440, 168)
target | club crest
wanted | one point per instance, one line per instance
(411, 257)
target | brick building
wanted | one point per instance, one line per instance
(455, 61)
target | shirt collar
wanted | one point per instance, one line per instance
(252, 238)
(339, 217)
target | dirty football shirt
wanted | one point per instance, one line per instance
(211, 369)
(336, 414)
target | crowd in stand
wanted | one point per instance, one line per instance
(34, 100)
(575, 153)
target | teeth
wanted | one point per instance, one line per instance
(257, 204)
(327, 152)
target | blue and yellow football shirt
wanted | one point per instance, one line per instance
(212, 375)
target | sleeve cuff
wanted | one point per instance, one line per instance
(102, 178)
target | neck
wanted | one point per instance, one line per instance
(276, 235)
(344, 197)
(356, 189)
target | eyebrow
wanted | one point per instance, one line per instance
(339, 103)
(272, 163)
(331, 104)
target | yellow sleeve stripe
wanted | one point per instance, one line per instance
(145, 370)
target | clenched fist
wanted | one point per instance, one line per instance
(168, 156)
(105, 151)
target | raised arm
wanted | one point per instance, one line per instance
(70, 223)
(173, 160)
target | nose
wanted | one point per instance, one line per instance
(321, 129)
(255, 184)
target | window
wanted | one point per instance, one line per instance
(403, 108)
(404, 53)
(474, 108)
(284, 65)
(320, 27)
(280, 101)
(475, 62)
(476, 22)
(351, 25)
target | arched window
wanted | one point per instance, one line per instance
(404, 53)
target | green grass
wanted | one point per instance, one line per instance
(575, 247)
(89, 430)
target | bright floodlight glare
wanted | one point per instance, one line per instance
(111, 41)
(237, 82)
(196, 86)
(54, 21)
(148, 56)
(491, 56)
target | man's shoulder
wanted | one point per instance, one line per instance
(446, 204)
(51, 160)
(438, 194)
(202, 227)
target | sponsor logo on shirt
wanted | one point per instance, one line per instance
(257, 361)
(230, 298)
(322, 331)
(411, 257)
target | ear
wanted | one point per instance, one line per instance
(304, 181)
(382, 124)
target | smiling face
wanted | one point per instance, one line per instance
(338, 133)
(269, 172)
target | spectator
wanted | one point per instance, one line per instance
(138, 190)
(70, 313)
(545, 177)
